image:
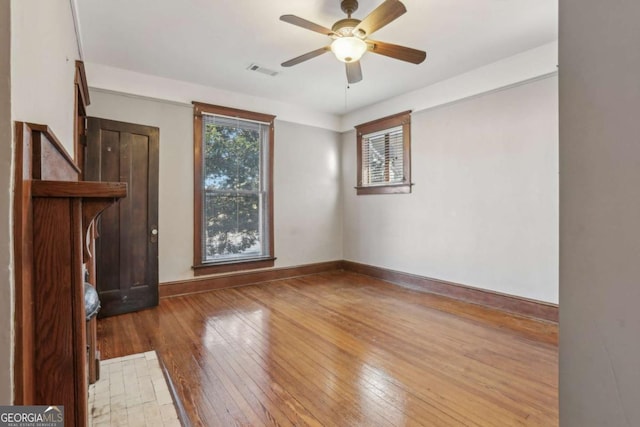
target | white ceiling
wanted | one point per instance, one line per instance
(212, 42)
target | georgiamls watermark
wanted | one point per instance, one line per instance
(32, 416)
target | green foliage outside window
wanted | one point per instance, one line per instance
(232, 189)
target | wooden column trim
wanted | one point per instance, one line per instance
(24, 380)
(81, 81)
(81, 102)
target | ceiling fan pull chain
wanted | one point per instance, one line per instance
(346, 90)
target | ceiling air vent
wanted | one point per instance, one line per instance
(263, 70)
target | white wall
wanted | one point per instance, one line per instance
(524, 66)
(599, 213)
(6, 243)
(484, 208)
(42, 70)
(508, 143)
(125, 81)
(44, 51)
(307, 201)
(38, 38)
(307, 195)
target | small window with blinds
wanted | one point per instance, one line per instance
(384, 155)
(233, 203)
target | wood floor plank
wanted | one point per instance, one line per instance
(311, 360)
(295, 373)
(302, 363)
(275, 402)
(343, 349)
(327, 357)
(453, 389)
(394, 335)
(328, 331)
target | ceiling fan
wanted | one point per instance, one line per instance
(350, 37)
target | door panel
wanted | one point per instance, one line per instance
(126, 248)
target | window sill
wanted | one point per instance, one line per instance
(229, 266)
(384, 189)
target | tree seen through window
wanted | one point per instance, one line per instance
(233, 193)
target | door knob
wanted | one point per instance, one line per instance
(154, 235)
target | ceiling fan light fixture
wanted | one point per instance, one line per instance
(350, 37)
(348, 49)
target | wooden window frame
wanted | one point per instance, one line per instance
(202, 268)
(401, 119)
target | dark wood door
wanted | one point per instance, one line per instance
(127, 243)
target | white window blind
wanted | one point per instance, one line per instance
(383, 157)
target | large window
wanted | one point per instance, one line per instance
(384, 155)
(233, 189)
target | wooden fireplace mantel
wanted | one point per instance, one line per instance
(52, 221)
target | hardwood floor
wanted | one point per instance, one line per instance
(341, 349)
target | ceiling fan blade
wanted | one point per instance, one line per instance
(300, 22)
(381, 16)
(306, 56)
(354, 72)
(402, 53)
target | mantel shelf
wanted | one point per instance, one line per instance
(96, 196)
(84, 189)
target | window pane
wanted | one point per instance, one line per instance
(396, 157)
(383, 155)
(233, 189)
(232, 158)
(376, 160)
(232, 225)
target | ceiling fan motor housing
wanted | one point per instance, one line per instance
(349, 6)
